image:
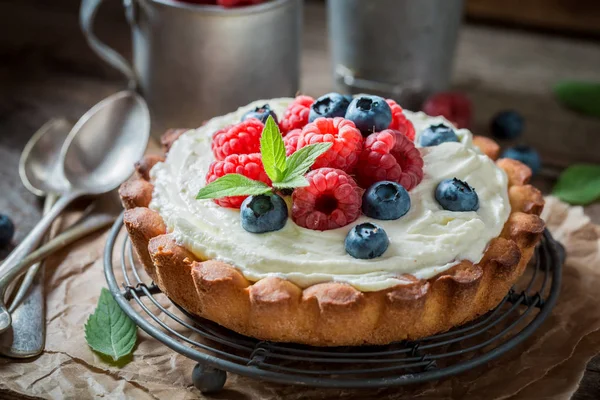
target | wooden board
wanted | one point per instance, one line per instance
(581, 16)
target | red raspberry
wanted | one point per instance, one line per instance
(242, 138)
(455, 107)
(249, 165)
(346, 142)
(331, 200)
(400, 122)
(237, 3)
(389, 156)
(296, 115)
(291, 141)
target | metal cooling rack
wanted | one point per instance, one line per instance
(219, 350)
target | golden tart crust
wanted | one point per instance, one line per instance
(332, 313)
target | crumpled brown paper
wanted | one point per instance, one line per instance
(548, 365)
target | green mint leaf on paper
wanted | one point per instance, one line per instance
(583, 97)
(272, 150)
(579, 184)
(232, 185)
(291, 183)
(299, 162)
(109, 330)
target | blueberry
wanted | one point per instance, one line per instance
(507, 125)
(526, 154)
(456, 195)
(386, 200)
(366, 241)
(437, 134)
(369, 114)
(263, 213)
(7, 230)
(261, 114)
(328, 106)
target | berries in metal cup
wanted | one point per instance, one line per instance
(456, 195)
(366, 241)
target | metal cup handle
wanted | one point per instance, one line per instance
(87, 15)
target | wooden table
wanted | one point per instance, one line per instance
(47, 70)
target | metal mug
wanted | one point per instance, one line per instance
(193, 62)
(401, 49)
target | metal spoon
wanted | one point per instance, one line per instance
(39, 169)
(38, 164)
(98, 155)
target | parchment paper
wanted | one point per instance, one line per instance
(548, 365)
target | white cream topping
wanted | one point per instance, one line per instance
(424, 242)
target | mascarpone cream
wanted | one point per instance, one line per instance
(424, 242)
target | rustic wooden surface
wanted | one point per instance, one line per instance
(582, 16)
(47, 70)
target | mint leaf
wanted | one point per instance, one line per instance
(272, 150)
(231, 185)
(299, 162)
(291, 183)
(109, 330)
(579, 184)
(583, 97)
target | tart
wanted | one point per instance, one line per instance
(298, 284)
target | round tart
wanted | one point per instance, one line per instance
(441, 267)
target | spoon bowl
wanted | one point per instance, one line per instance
(100, 160)
(39, 165)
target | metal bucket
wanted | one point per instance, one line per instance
(194, 62)
(401, 49)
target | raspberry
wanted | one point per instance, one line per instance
(249, 165)
(237, 3)
(296, 115)
(389, 156)
(242, 138)
(400, 122)
(291, 141)
(346, 142)
(455, 107)
(331, 200)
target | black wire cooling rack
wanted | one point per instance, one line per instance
(217, 350)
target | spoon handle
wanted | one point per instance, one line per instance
(32, 272)
(71, 235)
(31, 241)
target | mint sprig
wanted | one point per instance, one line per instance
(109, 330)
(579, 184)
(272, 150)
(232, 185)
(284, 172)
(583, 97)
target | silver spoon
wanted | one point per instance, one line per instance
(98, 155)
(38, 164)
(39, 169)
